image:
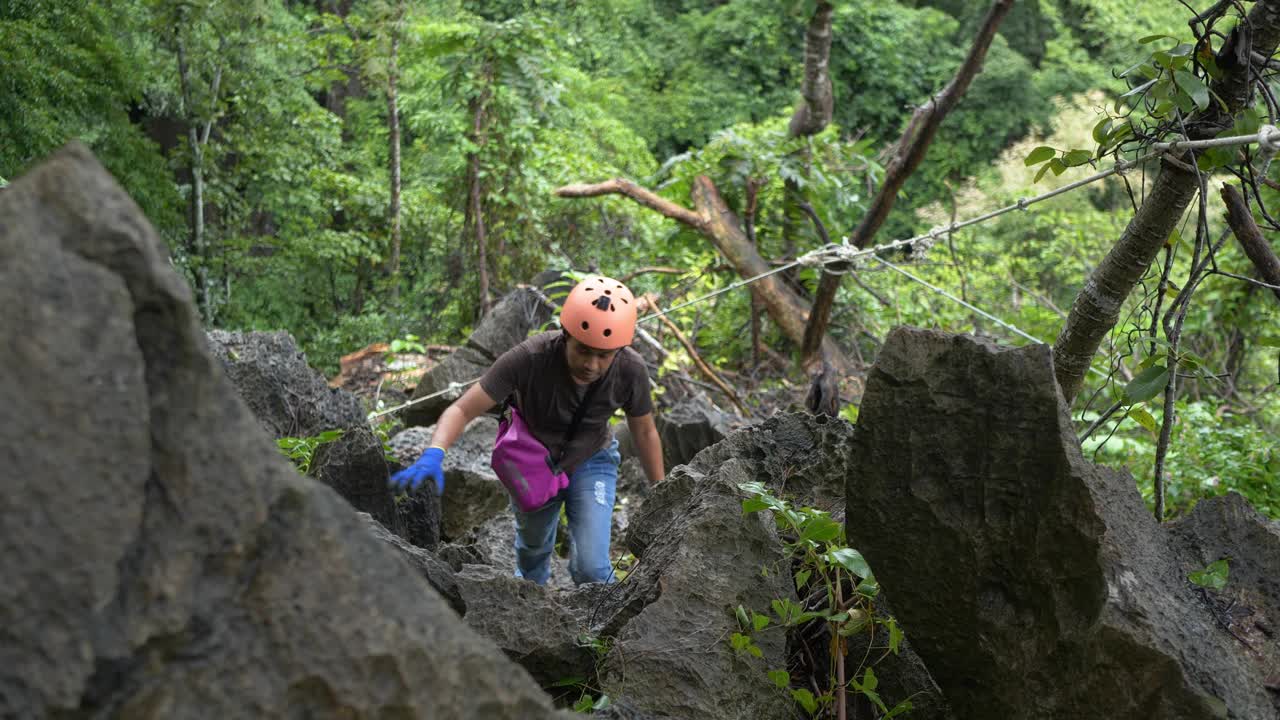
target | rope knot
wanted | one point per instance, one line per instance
(1022, 203)
(1269, 138)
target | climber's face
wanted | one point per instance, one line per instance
(586, 364)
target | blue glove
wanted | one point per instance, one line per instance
(428, 466)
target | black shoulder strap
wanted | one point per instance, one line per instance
(577, 418)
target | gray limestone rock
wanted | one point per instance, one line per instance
(160, 558)
(521, 312)
(1033, 583)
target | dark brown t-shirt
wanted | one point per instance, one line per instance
(536, 372)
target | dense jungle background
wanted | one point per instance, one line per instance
(360, 171)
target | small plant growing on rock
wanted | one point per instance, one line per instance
(590, 699)
(1213, 576)
(302, 450)
(839, 590)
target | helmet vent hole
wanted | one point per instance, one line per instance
(608, 292)
(608, 332)
(587, 289)
(613, 308)
(624, 301)
(586, 325)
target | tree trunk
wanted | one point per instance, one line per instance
(198, 140)
(909, 153)
(1097, 307)
(817, 101)
(749, 222)
(811, 116)
(393, 122)
(475, 196)
(362, 279)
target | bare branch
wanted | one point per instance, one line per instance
(924, 125)
(655, 269)
(648, 198)
(1255, 245)
(652, 303)
(909, 153)
(713, 218)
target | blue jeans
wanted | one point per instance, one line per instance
(588, 504)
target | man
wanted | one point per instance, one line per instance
(546, 377)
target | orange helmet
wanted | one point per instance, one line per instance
(600, 312)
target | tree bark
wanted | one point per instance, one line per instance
(198, 140)
(909, 153)
(749, 226)
(1097, 307)
(475, 196)
(717, 223)
(1240, 218)
(393, 123)
(811, 116)
(816, 98)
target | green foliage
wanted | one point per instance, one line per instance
(301, 450)
(297, 192)
(815, 542)
(589, 698)
(1209, 455)
(67, 75)
(1213, 576)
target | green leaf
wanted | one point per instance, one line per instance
(1102, 130)
(1039, 155)
(754, 504)
(1269, 341)
(744, 621)
(1043, 169)
(781, 608)
(1214, 576)
(869, 587)
(583, 704)
(895, 636)
(869, 680)
(850, 560)
(1076, 158)
(821, 529)
(1147, 384)
(759, 622)
(1143, 418)
(900, 708)
(1057, 166)
(755, 650)
(802, 577)
(805, 699)
(569, 682)
(602, 703)
(1153, 38)
(1193, 87)
(781, 678)
(804, 617)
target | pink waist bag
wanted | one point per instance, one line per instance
(524, 465)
